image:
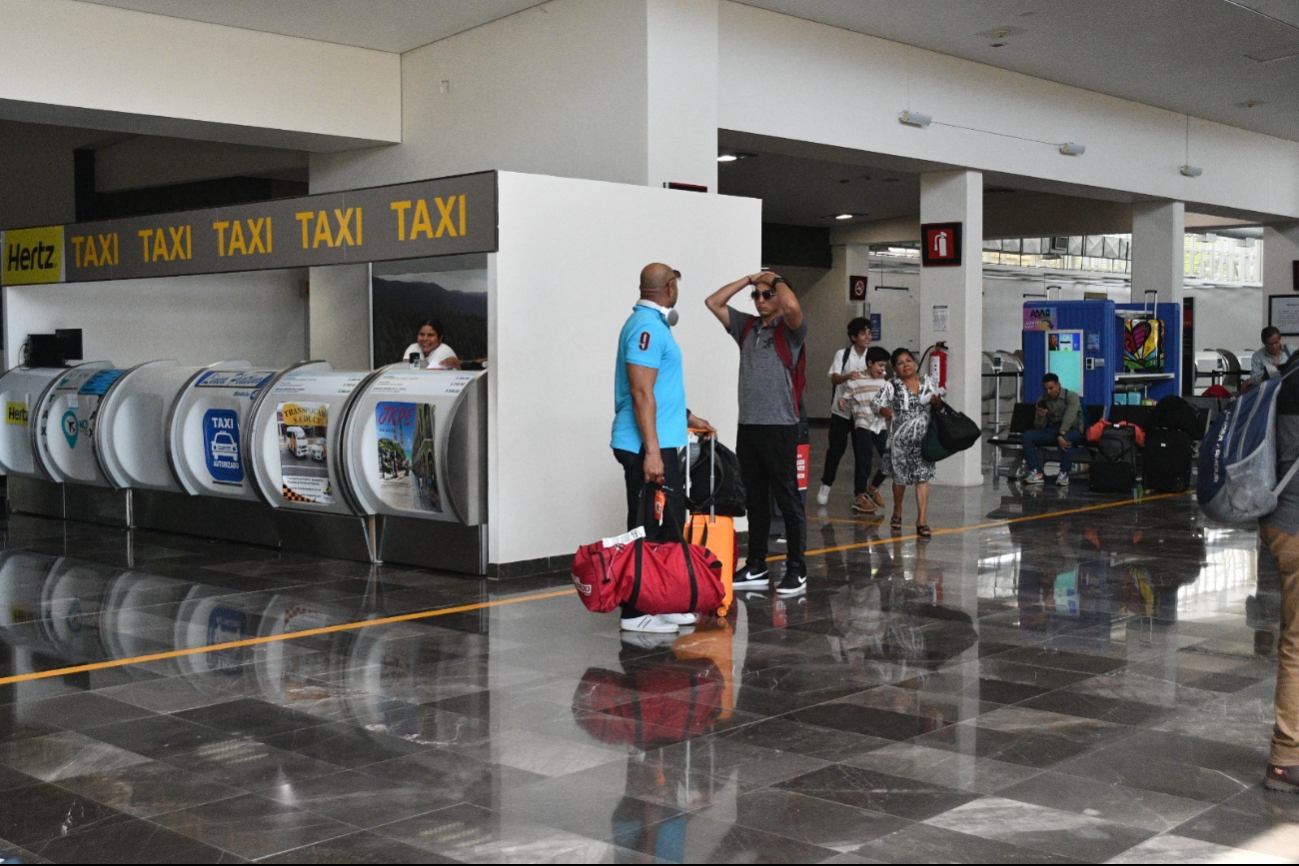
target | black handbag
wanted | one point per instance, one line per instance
(956, 431)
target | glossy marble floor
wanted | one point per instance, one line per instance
(1058, 682)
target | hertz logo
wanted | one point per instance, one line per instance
(33, 256)
(16, 414)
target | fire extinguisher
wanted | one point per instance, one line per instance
(938, 364)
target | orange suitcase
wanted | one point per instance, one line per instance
(716, 533)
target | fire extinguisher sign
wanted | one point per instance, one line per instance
(940, 244)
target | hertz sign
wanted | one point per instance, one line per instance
(448, 216)
(33, 256)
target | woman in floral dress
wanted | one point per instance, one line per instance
(906, 402)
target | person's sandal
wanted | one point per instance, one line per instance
(924, 531)
(896, 523)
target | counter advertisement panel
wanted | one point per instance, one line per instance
(304, 430)
(406, 456)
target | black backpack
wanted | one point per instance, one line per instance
(727, 488)
(1173, 413)
(1115, 468)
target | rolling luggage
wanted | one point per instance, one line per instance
(1115, 468)
(714, 531)
(1167, 463)
(1174, 413)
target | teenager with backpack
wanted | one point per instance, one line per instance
(849, 364)
(1280, 532)
(772, 375)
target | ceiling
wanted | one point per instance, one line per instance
(385, 25)
(1188, 56)
(807, 184)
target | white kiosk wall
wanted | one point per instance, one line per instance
(260, 316)
(562, 285)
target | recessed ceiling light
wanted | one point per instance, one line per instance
(727, 157)
(1000, 33)
(844, 216)
(734, 156)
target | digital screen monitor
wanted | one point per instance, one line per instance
(1064, 357)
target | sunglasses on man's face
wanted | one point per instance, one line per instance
(766, 295)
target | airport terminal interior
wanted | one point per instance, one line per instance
(309, 317)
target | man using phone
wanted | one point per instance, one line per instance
(1059, 421)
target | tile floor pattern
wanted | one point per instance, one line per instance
(1076, 686)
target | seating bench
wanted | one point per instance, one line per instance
(1024, 415)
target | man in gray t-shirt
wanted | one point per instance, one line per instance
(771, 348)
(1280, 532)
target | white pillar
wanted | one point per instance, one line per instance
(681, 41)
(1280, 252)
(1158, 250)
(956, 196)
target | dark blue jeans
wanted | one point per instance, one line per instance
(1035, 439)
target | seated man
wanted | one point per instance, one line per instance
(1273, 356)
(1059, 422)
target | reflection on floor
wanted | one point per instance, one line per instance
(1086, 687)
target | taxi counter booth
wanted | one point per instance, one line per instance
(500, 472)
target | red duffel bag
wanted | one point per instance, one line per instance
(672, 701)
(671, 577)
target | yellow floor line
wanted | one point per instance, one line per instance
(408, 617)
(292, 635)
(990, 525)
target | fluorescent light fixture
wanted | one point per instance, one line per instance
(1070, 148)
(1191, 170)
(844, 216)
(734, 156)
(727, 157)
(915, 118)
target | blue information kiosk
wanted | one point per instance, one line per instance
(1107, 352)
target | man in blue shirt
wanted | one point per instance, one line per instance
(651, 419)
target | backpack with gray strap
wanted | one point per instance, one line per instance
(1238, 458)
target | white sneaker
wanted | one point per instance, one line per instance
(823, 495)
(649, 623)
(680, 618)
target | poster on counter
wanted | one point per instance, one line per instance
(406, 456)
(304, 470)
(1039, 318)
(221, 450)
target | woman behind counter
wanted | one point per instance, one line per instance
(905, 401)
(433, 353)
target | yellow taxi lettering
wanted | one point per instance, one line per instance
(220, 228)
(304, 217)
(400, 207)
(322, 231)
(237, 239)
(421, 223)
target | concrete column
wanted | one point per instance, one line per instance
(1280, 252)
(681, 42)
(1158, 250)
(956, 196)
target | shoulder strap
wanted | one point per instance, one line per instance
(844, 366)
(748, 326)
